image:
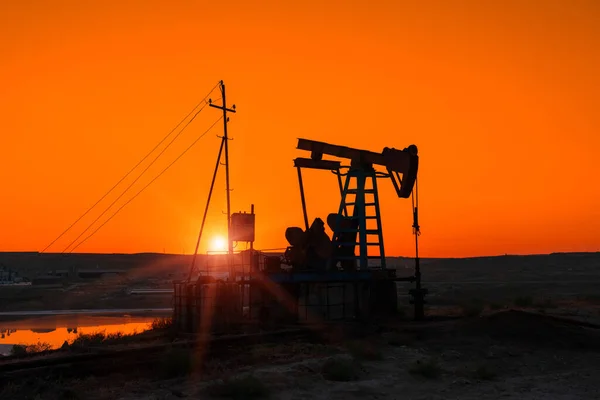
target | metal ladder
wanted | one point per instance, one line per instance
(363, 209)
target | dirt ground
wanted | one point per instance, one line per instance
(488, 353)
(508, 354)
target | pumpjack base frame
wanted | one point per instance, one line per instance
(337, 295)
(280, 298)
(418, 300)
(335, 276)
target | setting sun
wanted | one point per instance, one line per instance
(218, 244)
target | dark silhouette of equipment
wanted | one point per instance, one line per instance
(320, 277)
(357, 222)
(357, 237)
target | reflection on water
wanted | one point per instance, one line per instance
(56, 330)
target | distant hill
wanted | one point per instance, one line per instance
(31, 264)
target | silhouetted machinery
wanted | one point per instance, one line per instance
(342, 277)
(356, 249)
(357, 224)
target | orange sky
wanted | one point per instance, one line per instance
(501, 98)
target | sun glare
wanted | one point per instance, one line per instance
(218, 243)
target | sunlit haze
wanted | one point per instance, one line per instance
(218, 244)
(501, 98)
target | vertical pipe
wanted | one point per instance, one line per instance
(419, 293)
(359, 213)
(338, 222)
(339, 178)
(226, 140)
(417, 264)
(302, 198)
(416, 231)
(254, 227)
(378, 219)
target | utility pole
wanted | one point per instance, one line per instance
(225, 141)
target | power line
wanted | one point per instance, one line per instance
(149, 183)
(132, 169)
(136, 179)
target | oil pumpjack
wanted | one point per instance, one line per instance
(315, 270)
(313, 256)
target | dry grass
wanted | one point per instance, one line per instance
(88, 340)
(162, 324)
(20, 350)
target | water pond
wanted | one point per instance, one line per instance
(55, 330)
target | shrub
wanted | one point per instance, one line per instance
(18, 350)
(161, 324)
(21, 350)
(95, 339)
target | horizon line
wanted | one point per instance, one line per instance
(266, 251)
